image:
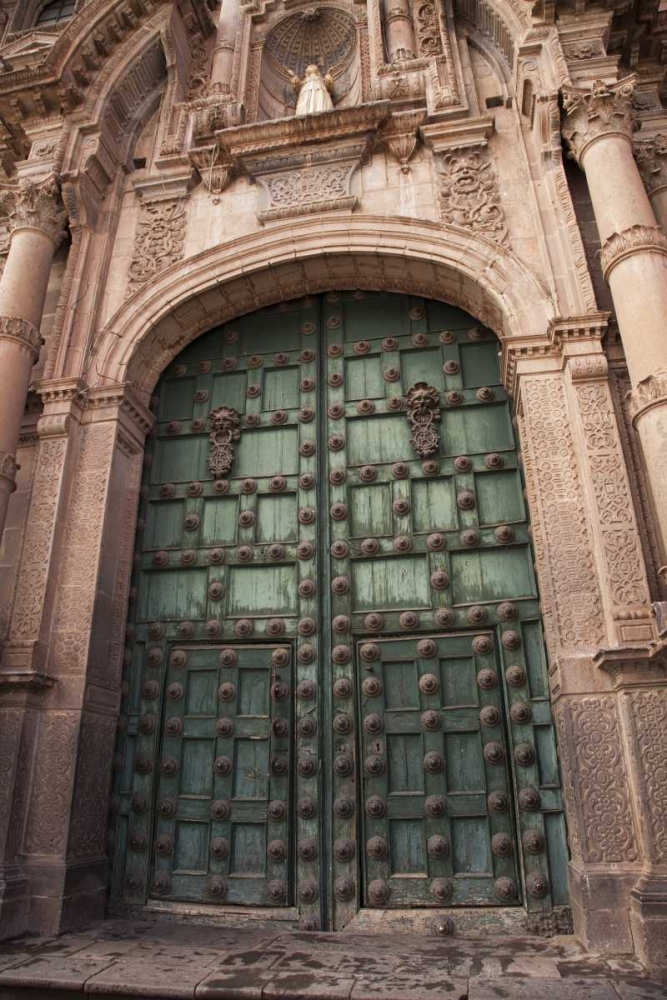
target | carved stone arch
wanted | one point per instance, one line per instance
(491, 55)
(501, 23)
(287, 261)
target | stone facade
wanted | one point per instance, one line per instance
(155, 183)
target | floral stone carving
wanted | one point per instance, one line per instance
(225, 430)
(423, 413)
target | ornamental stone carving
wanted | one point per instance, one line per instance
(469, 193)
(651, 157)
(36, 205)
(647, 711)
(649, 392)
(159, 240)
(604, 109)
(636, 239)
(8, 468)
(23, 333)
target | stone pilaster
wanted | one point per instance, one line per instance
(596, 610)
(62, 851)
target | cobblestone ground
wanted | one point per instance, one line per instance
(161, 960)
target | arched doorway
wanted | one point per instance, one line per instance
(339, 696)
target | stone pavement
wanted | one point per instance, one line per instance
(161, 960)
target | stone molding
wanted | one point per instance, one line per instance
(8, 469)
(22, 332)
(650, 392)
(636, 239)
(36, 205)
(593, 113)
(651, 157)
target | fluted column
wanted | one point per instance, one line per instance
(399, 30)
(223, 53)
(598, 127)
(651, 156)
(36, 220)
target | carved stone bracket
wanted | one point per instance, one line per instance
(36, 205)
(604, 109)
(23, 333)
(636, 239)
(225, 431)
(423, 412)
(651, 156)
(400, 135)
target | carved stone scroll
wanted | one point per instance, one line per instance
(225, 430)
(423, 413)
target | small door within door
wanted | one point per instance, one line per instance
(222, 827)
(438, 827)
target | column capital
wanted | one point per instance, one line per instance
(604, 109)
(35, 205)
(636, 239)
(651, 157)
(23, 333)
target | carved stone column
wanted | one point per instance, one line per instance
(599, 126)
(37, 221)
(225, 43)
(399, 31)
(651, 156)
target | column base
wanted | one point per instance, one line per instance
(648, 917)
(66, 896)
(601, 909)
(14, 902)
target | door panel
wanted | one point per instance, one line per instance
(329, 535)
(433, 751)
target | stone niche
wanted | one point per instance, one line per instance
(325, 36)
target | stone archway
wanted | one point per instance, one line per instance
(556, 371)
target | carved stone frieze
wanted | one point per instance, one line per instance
(159, 240)
(615, 516)
(23, 333)
(651, 156)
(571, 597)
(647, 714)
(310, 189)
(469, 193)
(636, 239)
(52, 783)
(427, 28)
(596, 782)
(603, 109)
(36, 205)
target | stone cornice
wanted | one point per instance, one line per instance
(35, 205)
(651, 156)
(593, 113)
(22, 332)
(339, 124)
(446, 136)
(636, 239)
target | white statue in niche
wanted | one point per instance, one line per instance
(314, 91)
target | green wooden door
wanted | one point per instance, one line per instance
(336, 691)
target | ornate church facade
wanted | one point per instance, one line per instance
(333, 465)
